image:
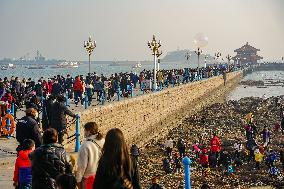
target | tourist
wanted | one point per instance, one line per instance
(167, 165)
(205, 186)
(212, 159)
(282, 158)
(258, 158)
(49, 161)
(66, 181)
(89, 92)
(169, 145)
(266, 136)
(225, 160)
(181, 147)
(135, 152)
(115, 169)
(238, 146)
(196, 149)
(215, 145)
(89, 155)
(23, 173)
(271, 158)
(58, 117)
(78, 91)
(203, 159)
(177, 161)
(251, 144)
(28, 128)
(155, 184)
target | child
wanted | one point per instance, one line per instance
(167, 166)
(155, 184)
(66, 181)
(196, 149)
(177, 163)
(22, 173)
(258, 158)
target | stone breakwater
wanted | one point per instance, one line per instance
(153, 115)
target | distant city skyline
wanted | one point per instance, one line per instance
(122, 28)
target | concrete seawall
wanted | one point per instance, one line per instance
(144, 117)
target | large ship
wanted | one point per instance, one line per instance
(66, 64)
(39, 59)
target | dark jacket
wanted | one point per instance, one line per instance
(58, 119)
(27, 128)
(106, 182)
(49, 161)
(282, 123)
(156, 186)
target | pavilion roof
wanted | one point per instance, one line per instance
(246, 47)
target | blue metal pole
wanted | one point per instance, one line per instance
(77, 147)
(118, 93)
(67, 99)
(103, 97)
(8, 124)
(131, 88)
(86, 101)
(13, 109)
(143, 88)
(186, 163)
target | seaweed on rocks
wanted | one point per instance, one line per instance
(227, 120)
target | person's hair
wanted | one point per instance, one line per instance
(31, 112)
(115, 160)
(28, 144)
(50, 136)
(61, 98)
(93, 128)
(66, 181)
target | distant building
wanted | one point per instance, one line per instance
(247, 54)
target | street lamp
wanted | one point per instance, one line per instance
(217, 55)
(90, 46)
(205, 60)
(229, 58)
(187, 55)
(198, 53)
(154, 46)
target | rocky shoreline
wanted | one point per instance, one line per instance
(225, 118)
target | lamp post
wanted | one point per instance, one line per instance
(217, 55)
(154, 45)
(90, 46)
(187, 55)
(205, 60)
(198, 53)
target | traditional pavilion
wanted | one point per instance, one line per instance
(247, 54)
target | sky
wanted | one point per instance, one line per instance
(58, 28)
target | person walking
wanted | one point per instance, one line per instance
(49, 161)
(23, 173)
(58, 117)
(116, 170)
(89, 155)
(28, 128)
(215, 145)
(78, 90)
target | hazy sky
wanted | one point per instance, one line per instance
(122, 27)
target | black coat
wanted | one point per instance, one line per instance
(27, 128)
(103, 181)
(282, 123)
(58, 119)
(49, 161)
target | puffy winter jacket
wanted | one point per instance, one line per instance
(203, 159)
(27, 128)
(22, 172)
(78, 86)
(215, 144)
(49, 161)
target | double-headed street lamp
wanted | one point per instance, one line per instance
(187, 55)
(90, 46)
(154, 45)
(198, 53)
(229, 58)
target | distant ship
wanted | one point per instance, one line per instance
(138, 65)
(35, 67)
(66, 65)
(9, 66)
(122, 63)
(25, 60)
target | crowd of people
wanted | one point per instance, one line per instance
(43, 162)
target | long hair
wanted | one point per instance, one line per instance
(93, 128)
(115, 160)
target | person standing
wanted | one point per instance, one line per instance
(49, 161)
(116, 170)
(89, 155)
(28, 128)
(215, 145)
(78, 90)
(58, 117)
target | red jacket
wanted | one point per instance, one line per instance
(22, 172)
(203, 159)
(215, 144)
(78, 86)
(49, 87)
